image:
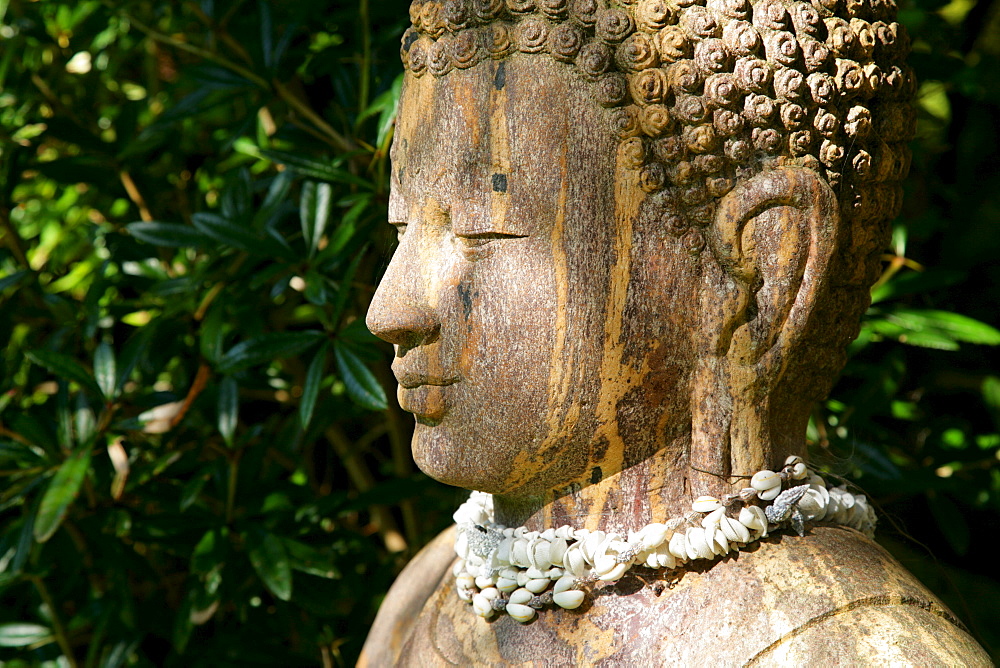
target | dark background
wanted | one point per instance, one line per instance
(192, 217)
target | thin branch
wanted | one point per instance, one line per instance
(198, 51)
(57, 625)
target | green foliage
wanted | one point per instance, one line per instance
(199, 464)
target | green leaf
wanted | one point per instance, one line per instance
(234, 235)
(104, 370)
(931, 329)
(362, 386)
(229, 405)
(66, 368)
(13, 279)
(266, 348)
(314, 211)
(23, 634)
(171, 235)
(315, 169)
(211, 335)
(86, 423)
(310, 388)
(270, 559)
(62, 490)
(308, 559)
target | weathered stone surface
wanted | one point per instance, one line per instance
(634, 243)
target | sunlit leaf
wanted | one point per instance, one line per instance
(104, 370)
(168, 234)
(310, 388)
(314, 211)
(62, 490)
(66, 368)
(270, 559)
(23, 634)
(362, 386)
(266, 348)
(229, 404)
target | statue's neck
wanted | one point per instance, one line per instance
(653, 490)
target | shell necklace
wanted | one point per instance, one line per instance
(510, 570)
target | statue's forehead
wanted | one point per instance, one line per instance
(502, 137)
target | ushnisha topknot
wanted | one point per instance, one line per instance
(704, 93)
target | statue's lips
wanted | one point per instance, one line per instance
(413, 380)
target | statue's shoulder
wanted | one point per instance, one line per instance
(833, 597)
(406, 598)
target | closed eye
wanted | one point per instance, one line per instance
(477, 246)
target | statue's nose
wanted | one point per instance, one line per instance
(400, 312)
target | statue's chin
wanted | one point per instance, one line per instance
(450, 461)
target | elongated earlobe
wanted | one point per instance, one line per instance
(773, 239)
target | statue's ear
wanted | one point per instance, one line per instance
(774, 236)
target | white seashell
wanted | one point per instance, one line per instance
(811, 504)
(531, 535)
(799, 471)
(503, 550)
(521, 613)
(520, 596)
(465, 582)
(664, 559)
(484, 581)
(651, 560)
(549, 534)
(557, 549)
(705, 504)
(538, 585)
(697, 543)
(581, 534)
(522, 579)
(565, 532)
(462, 545)
(535, 573)
(574, 561)
(520, 531)
(555, 573)
(720, 545)
(590, 545)
(769, 494)
(816, 479)
(713, 518)
(570, 599)
(792, 460)
(564, 583)
(509, 572)
(506, 585)
(508, 532)
(605, 564)
(653, 535)
(472, 569)
(458, 568)
(540, 555)
(678, 547)
(482, 605)
(615, 573)
(466, 594)
(491, 593)
(764, 480)
(519, 553)
(752, 517)
(735, 531)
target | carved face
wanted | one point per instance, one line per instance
(542, 328)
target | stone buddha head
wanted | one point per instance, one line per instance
(635, 237)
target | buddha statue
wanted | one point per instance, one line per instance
(635, 238)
